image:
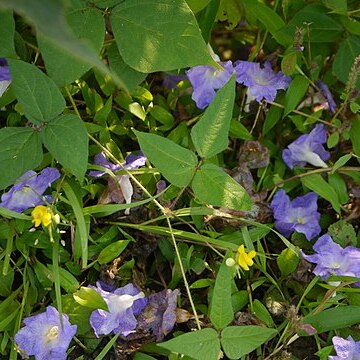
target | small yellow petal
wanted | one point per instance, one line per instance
(244, 259)
(41, 214)
(36, 222)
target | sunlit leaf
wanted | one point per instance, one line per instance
(161, 35)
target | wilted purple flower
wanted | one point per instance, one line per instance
(346, 349)
(299, 215)
(308, 148)
(159, 315)
(123, 303)
(332, 259)
(28, 191)
(44, 336)
(327, 94)
(206, 79)
(5, 76)
(262, 83)
(131, 162)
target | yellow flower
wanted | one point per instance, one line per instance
(244, 259)
(41, 214)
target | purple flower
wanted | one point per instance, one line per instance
(331, 258)
(123, 303)
(160, 313)
(346, 349)
(308, 148)
(5, 76)
(262, 83)
(131, 162)
(44, 336)
(327, 94)
(206, 79)
(299, 215)
(28, 191)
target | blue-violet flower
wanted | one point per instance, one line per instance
(262, 83)
(308, 148)
(5, 76)
(124, 304)
(206, 79)
(327, 95)
(346, 349)
(44, 336)
(131, 162)
(28, 191)
(331, 259)
(299, 215)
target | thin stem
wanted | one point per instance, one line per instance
(256, 118)
(183, 273)
(312, 172)
(56, 273)
(304, 114)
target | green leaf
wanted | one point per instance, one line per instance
(201, 283)
(210, 133)
(129, 76)
(229, 11)
(221, 311)
(213, 186)
(321, 26)
(337, 6)
(354, 135)
(333, 140)
(295, 93)
(270, 20)
(16, 146)
(163, 35)
(337, 182)
(66, 139)
(37, 94)
(343, 233)
(7, 33)
(321, 187)
(351, 25)
(175, 163)
(345, 56)
(200, 345)
(79, 214)
(336, 318)
(272, 118)
(78, 314)
(112, 251)
(239, 131)
(287, 261)
(197, 5)
(162, 115)
(262, 313)
(49, 20)
(288, 63)
(238, 341)
(342, 160)
(67, 281)
(87, 24)
(90, 298)
(207, 18)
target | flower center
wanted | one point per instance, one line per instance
(261, 80)
(52, 334)
(300, 220)
(335, 265)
